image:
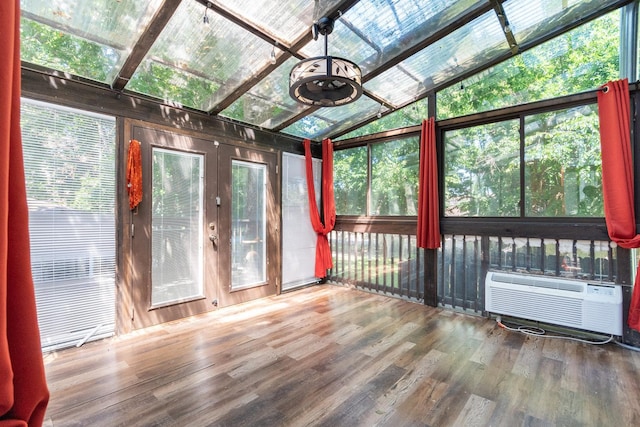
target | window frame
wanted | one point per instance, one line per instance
(390, 137)
(513, 113)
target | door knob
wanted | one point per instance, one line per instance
(213, 237)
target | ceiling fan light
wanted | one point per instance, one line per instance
(325, 81)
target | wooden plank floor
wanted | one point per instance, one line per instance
(335, 356)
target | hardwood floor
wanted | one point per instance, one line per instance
(335, 356)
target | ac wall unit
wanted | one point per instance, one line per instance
(572, 303)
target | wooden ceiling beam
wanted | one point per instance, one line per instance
(506, 27)
(148, 37)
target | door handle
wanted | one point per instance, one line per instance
(213, 237)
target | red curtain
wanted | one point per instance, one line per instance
(134, 174)
(617, 176)
(323, 251)
(23, 389)
(428, 201)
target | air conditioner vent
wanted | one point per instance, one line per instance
(538, 282)
(558, 301)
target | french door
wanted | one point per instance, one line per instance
(249, 220)
(205, 234)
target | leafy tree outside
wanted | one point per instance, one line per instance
(482, 170)
(394, 177)
(350, 181)
(482, 164)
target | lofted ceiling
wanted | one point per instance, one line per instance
(217, 56)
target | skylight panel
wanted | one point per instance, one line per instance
(88, 39)
(218, 51)
(478, 42)
(286, 21)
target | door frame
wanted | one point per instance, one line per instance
(227, 154)
(133, 280)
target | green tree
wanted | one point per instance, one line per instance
(579, 60)
(563, 167)
(394, 177)
(350, 181)
(562, 152)
(47, 46)
(481, 170)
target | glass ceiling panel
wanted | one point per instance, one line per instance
(532, 19)
(87, 38)
(172, 85)
(267, 104)
(327, 121)
(343, 43)
(348, 115)
(480, 41)
(219, 52)
(375, 31)
(197, 65)
(286, 21)
(308, 126)
(410, 115)
(546, 71)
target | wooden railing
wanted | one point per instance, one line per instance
(392, 264)
(463, 262)
(383, 262)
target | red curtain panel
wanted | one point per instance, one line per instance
(323, 251)
(428, 200)
(617, 176)
(23, 388)
(134, 174)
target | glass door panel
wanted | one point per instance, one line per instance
(170, 251)
(248, 224)
(176, 227)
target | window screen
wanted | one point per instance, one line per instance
(394, 177)
(482, 170)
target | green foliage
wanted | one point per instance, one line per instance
(580, 60)
(481, 170)
(247, 189)
(562, 152)
(350, 181)
(563, 166)
(482, 163)
(410, 115)
(250, 109)
(173, 85)
(43, 45)
(176, 184)
(394, 177)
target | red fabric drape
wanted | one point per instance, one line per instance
(134, 174)
(617, 176)
(428, 201)
(323, 251)
(23, 389)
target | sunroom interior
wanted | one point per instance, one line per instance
(203, 88)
